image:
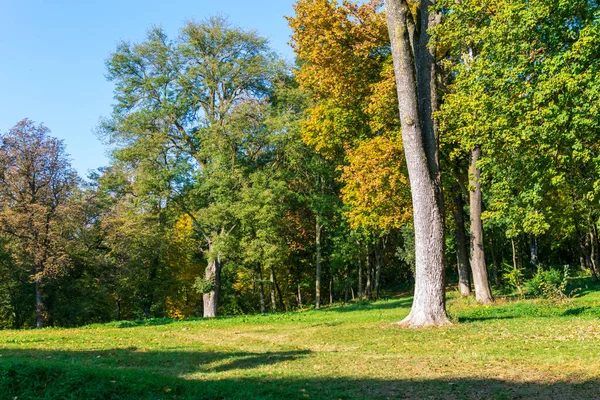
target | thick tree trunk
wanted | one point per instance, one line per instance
(318, 228)
(483, 294)
(414, 57)
(462, 258)
(210, 300)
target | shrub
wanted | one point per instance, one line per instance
(550, 284)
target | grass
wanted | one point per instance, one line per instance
(513, 349)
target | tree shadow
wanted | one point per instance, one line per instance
(164, 362)
(365, 306)
(146, 322)
(23, 377)
(485, 318)
(571, 312)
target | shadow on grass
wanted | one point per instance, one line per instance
(571, 312)
(483, 318)
(582, 287)
(64, 376)
(167, 362)
(146, 322)
(379, 305)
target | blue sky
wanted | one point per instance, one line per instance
(53, 56)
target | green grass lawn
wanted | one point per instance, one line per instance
(523, 349)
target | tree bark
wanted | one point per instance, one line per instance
(318, 228)
(483, 294)
(462, 258)
(210, 300)
(413, 55)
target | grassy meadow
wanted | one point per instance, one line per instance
(515, 349)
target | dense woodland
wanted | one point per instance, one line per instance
(443, 145)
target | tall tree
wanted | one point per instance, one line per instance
(194, 99)
(36, 183)
(414, 57)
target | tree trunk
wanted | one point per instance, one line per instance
(273, 294)
(515, 266)
(514, 253)
(483, 294)
(261, 291)
(533, 250)
(318, 228)
(495, 266)
(594, 257)
(299, 298)
(39, 301)
(368, 288)
(282, 305)
(210, 300)
(462, 258)
(379, 253)
(347, 289)
(118, 308)
(331, 290)
(360, 288)
(414, 57)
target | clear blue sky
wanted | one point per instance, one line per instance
(53, 55)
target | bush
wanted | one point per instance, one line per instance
(513, 277)
(550, 284)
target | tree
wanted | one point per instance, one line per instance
(36, 183)
(414, 58)
(194, 101)
(522, 93)
(483, 294)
